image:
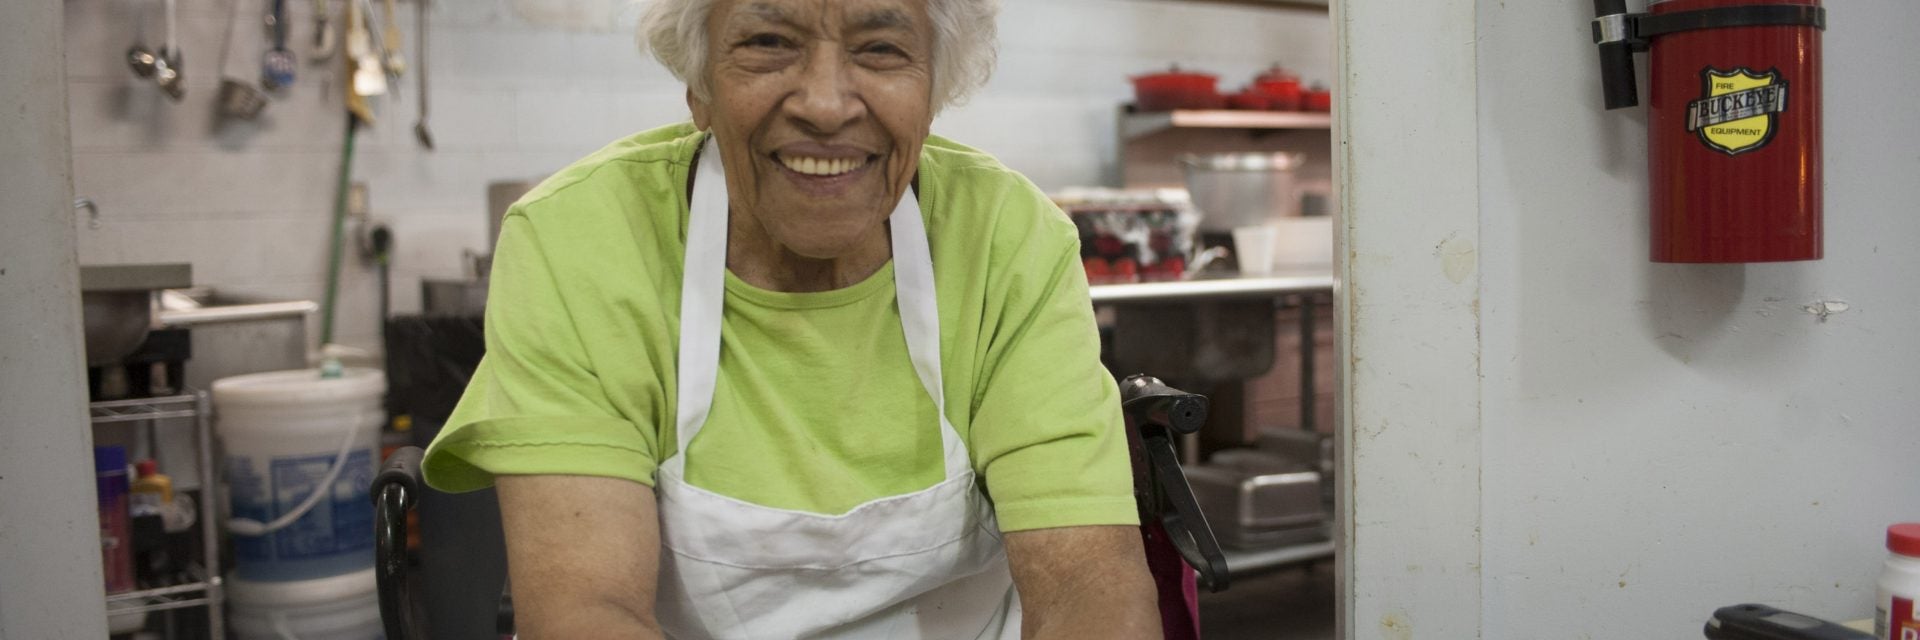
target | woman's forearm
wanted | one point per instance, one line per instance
(1083, 582)
(593, 622)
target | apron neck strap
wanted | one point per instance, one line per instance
(703, 297)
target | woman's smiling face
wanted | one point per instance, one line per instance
(819, 108)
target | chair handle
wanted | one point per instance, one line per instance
(402, 468)
(1180, 514)
(1155, 412)
(395, 490)
(1151, 402)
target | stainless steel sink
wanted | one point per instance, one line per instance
(236, 335)
(118, 303)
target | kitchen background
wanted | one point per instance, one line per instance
(1561, 441)
(519, 89)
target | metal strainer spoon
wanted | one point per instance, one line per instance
(420, 32)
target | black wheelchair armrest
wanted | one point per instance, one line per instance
(1151, 402)
(402, 468)
(395, 491)
(1156, 412)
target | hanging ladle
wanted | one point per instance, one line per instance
(277, 66)
(164, 66)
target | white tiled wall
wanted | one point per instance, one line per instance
(519, 89)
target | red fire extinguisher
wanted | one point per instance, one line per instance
(1733, 129)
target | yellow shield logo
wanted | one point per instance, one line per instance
(1737, 110)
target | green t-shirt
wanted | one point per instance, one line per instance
(816, 407)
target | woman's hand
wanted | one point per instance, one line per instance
(584, 556)
(1083, 582)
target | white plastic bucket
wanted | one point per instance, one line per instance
(344, 607)
(285, 432)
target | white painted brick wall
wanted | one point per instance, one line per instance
(515, 97)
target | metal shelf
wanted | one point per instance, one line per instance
(1241, 562)
(1282, 283)
(164, 598)
(142, 409)
(1141, 124)
(209, 590)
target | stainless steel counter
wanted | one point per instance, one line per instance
(1277, 284)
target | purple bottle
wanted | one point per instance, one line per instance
(116, 526)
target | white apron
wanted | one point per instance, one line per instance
(927, 564)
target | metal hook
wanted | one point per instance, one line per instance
(93, 211)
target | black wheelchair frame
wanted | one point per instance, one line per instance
(1155, 414)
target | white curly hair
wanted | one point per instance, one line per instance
(964, 44)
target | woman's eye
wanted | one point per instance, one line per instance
(765, 41)
(883, 48)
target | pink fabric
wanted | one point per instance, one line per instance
(1179, 593)
(1172, 578)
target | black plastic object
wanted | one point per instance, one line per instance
(1156, 412)
(1616, 59)
(1153, 402)
(1761, 622)
(1631, 32)
(394, 492)
(430, 359)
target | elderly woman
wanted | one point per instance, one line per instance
(800, 369)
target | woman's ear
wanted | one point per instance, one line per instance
(701, 119)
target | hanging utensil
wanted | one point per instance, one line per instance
(142, 59)
(145, 64)
(420, 131)
(139, 56)
(364, 77)
(324, 37)
(239, 99)
(395, 59)
(163, 66)
(277, 66)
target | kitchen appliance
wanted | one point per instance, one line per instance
(1733, 126)
(1235, 190)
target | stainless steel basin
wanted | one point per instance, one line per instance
(118, 302)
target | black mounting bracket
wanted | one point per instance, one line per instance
(1619, 34)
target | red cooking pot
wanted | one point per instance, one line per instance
(1176, 89)
(1317, 99)
(1249, 99)
(1282, 89)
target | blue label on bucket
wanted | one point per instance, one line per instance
(334, 537)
